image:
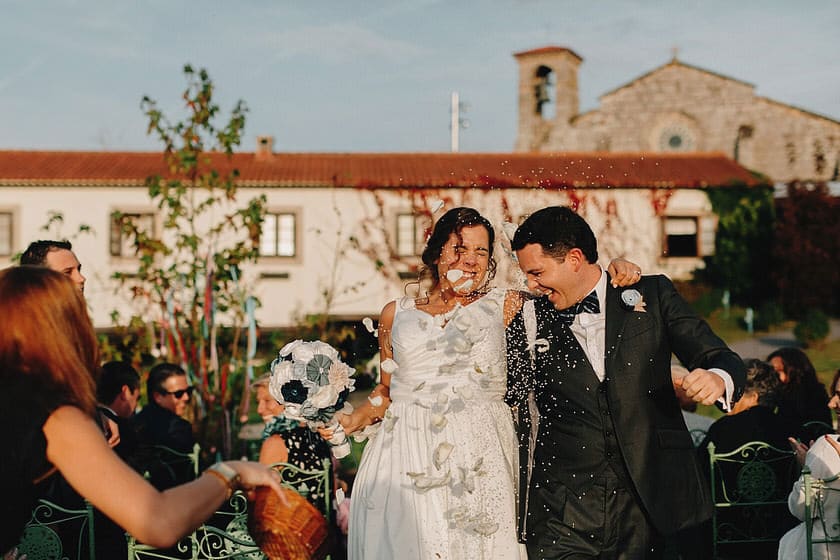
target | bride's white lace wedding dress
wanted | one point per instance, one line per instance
(438, 479)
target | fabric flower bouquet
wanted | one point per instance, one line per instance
(312, 382)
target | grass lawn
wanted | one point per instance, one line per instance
(826, 357)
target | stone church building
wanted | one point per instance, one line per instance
(673, 108)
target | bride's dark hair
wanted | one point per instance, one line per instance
(451, 222)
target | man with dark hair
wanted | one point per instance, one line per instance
(608, 467)
(55, 255)
(118, 390)
(160, 421)
(161, 430)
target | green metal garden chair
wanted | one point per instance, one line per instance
(55, 532)
(165, 467)
(750, 486)
(225, 535)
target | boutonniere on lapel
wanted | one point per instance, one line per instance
(633, 300)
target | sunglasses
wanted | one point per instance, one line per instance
(179, 393)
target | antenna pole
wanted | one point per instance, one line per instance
(454, 122)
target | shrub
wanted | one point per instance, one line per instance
(812, 328)
(768, 315)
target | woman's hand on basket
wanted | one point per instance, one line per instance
(253, 474)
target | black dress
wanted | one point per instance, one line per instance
(802, 403)
(307, 451)
(24, 460)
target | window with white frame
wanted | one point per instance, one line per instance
(278, 237)
(681, 237)
(122, 241)
(409, 239)
(6, 226)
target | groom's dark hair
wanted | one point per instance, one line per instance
(558, 229)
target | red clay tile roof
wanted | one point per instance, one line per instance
(547, 49)
(390, 170)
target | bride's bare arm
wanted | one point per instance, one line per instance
(513, 303)
(377, 403)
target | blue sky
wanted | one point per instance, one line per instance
(376, 75)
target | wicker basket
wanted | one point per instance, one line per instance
(292, 531)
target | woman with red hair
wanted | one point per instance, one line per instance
(48, 359)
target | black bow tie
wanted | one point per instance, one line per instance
(588, 305)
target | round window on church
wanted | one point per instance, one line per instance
(676, 138)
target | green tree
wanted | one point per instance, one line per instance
(741, 262)
(188, 283)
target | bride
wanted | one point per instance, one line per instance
(438, 479)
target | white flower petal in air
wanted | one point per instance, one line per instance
(389, 366)
(375, 401)
(438, 421)
(436, 205)
(368, 323)
(423, 481)
(485, 528)
(465, 287)
(389, 421)
(454, 274)
(462, 321)
(459, 516)
(368, 432)
(339, 496)
(462, 345)
(442, 453)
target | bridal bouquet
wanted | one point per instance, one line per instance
(312, 382)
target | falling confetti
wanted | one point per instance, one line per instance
(454, 274)
(436, 205)
(368, 323)
(389, 366)
(465, 287)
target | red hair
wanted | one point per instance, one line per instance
(47, 337)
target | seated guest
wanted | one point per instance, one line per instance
(823, 459)
(118, 390)
(48, 364)
(802, 397)
(289, 441)
(753, 419)
(160, 424)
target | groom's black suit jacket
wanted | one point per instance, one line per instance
(631, 422)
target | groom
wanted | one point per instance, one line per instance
(608, 467)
